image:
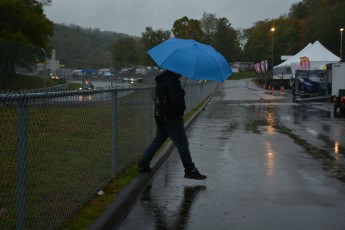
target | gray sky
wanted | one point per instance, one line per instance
(133, 16)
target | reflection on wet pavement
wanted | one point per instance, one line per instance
(162, 215)
(180, 218)
(270, 159)
(303, 123)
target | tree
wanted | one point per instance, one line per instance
(319, 20)
(124, 52)
(80, 48)
(208, 25)
(226, 40)
(299, 10)
(258, 45)
(210, 30)
(149, 39)
(307, 22)
(188, 29)
(286, 39)
(24, 30)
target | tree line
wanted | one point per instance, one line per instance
(23, 38)
(211, 30)
(80, 48)
(306, 22)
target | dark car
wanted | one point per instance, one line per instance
(308, 85)
(86, 85)
(309, 81)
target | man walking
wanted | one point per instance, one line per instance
(168, 112)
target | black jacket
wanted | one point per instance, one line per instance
(169, 98)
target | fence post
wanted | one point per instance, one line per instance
(22, 165)
(113, 130)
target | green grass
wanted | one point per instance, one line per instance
(68, 152)
(73, 86)
(61, 156)
(20, 82)
(242, 75)
(93, 209)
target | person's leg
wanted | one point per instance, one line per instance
(147, 156)
(175, 130)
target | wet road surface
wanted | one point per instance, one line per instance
(271, 164)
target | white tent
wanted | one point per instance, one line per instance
(294, 58)
(317, 54)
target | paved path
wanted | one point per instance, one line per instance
(271, 164)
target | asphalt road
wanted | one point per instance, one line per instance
(271, 164)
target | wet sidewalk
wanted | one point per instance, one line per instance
(263, 165)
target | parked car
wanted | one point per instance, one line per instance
(307, 85)
(304, 85)
(308, 81)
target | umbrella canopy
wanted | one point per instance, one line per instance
(191, 59)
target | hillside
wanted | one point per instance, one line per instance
(77, 47)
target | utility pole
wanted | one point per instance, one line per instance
(45, 67)
(341, 43)
(272, 30)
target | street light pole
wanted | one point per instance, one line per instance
(341, 42)
(272, 30)
(45, 67)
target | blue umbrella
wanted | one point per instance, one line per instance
(191, 59)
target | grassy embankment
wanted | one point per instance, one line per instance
(20, 82)
(242, 75)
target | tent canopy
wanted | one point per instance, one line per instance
(294, 58)
(317, 54)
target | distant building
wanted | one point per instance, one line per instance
(49, 66)
(285, 57)
(242, 66)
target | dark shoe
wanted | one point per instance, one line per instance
(194, 175)
(143, 169)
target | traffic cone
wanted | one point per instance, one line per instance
(283, 89)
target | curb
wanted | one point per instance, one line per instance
(119, 209)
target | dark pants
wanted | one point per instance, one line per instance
(175, 131)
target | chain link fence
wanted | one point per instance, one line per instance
(58, 149)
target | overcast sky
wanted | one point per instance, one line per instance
(133, 16)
